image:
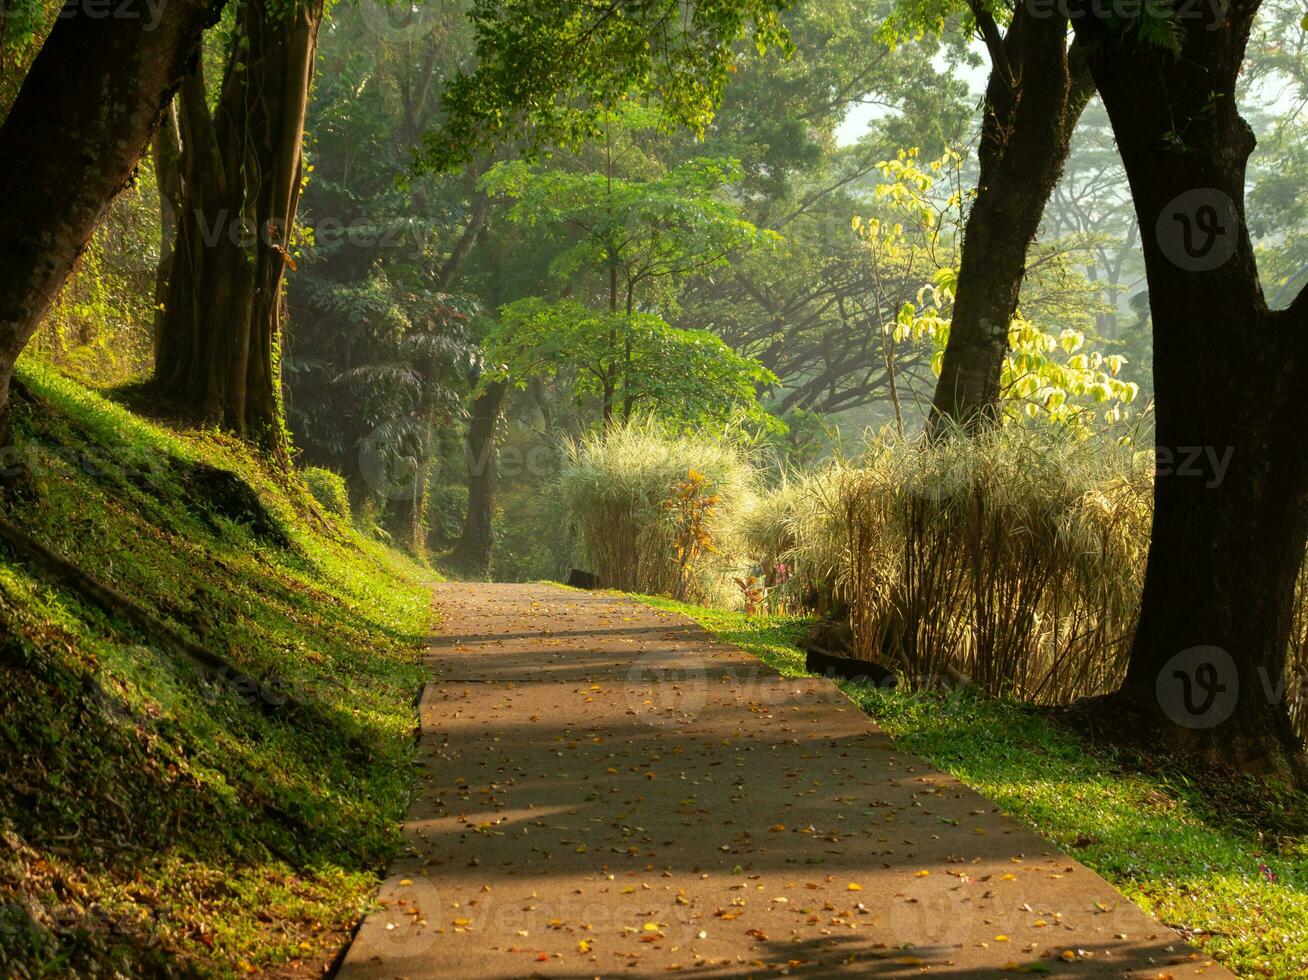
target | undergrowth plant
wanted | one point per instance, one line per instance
(657, 512)
(1014, 557)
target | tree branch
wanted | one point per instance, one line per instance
(994, 40)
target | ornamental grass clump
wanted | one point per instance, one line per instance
(1022, 561)
(658, 512)
(1014, 557)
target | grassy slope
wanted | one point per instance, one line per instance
(1182, 852)
(151, 815)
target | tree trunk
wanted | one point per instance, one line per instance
(71, 142)
(221, 331)
(166, 151)
(1036, 93)
(472, 552)
(1207, 667)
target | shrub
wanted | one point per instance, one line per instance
(767, 541)
(656, 512)
(328, 488)
(1015, 557)
(846, 544)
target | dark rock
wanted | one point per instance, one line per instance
(582, 580)
(849, 669)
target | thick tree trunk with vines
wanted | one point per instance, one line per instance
(220, 335)
(1036, 93)
(472, 552)
(69, 145)
(1208, 664)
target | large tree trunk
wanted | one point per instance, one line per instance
(1036, 93)
(71, 142)
(1208, 661)
(221, 331)
(472, 552)
(166, 152)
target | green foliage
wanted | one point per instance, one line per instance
(378, 347)
(683, 377)
(547, 73)
(100, 326)
(23, 24)
(155, 818)
(624, 488)
(1055, 377)
(654, 229)
(636, 240)
(329, 489)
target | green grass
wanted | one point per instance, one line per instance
(1191, 855)
(151, 814)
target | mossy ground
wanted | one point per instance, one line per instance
(1223, 862)
(154, 817)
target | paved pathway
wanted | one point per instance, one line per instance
(609, 791)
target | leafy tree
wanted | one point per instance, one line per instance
(548, 74)
(633, 241)
(1058, 376)
(1228, 372)
(636, 360)
(803, 307)
(1035, 94)
(380, 259)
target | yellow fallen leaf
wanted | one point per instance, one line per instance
(854, 886)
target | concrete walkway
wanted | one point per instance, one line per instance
(608, 791)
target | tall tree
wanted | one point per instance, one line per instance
(1035, 94)
(550, 74)
(1208, 660)
(69, 144)
(241, 173)
(472, 552)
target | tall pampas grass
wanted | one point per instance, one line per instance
(1014, 556)
(620, 487)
